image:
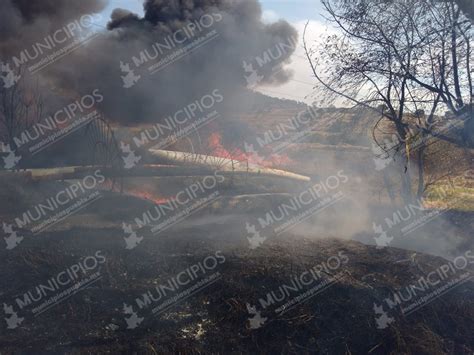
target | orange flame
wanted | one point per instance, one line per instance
(218, 150)
(147, 196)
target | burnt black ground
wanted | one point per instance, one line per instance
(216, 320)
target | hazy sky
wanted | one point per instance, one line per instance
(297, 12)
(291, 10)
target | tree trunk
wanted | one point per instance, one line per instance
(404, 162)
(421, 171)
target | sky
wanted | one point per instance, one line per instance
(293, 10)
(296, 12)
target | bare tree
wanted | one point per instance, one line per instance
(21, 105)
(400, 58)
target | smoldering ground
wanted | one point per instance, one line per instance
(241, 36)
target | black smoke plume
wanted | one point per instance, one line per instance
(240, 35)
(23, 22)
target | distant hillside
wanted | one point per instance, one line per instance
(329, 126)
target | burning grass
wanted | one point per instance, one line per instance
(270, 160)
(216, 319)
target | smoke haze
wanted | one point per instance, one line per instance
(235, 33)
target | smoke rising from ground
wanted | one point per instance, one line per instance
(240, 36)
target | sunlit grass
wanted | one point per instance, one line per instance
(453, 197)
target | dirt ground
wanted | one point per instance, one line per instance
(225, 315)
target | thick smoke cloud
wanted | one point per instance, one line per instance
(218, 64)
(26, 24)
(22, 22)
